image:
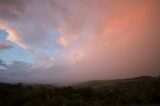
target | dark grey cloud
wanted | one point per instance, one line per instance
(15, 66)
(3, 64)
(17, 71)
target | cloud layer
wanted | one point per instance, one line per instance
(96, 39)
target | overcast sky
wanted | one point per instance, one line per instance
(55, 41)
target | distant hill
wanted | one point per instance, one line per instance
(137, 80)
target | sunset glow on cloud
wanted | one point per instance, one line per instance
(78, 40)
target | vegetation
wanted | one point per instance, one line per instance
(141, 91)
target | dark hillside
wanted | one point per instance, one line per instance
(135, 91)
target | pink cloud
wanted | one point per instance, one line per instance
(4, 46)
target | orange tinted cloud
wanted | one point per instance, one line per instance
(12, 34)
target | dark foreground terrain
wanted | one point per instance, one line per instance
(136, 91)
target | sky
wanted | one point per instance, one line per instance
(66, 41)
